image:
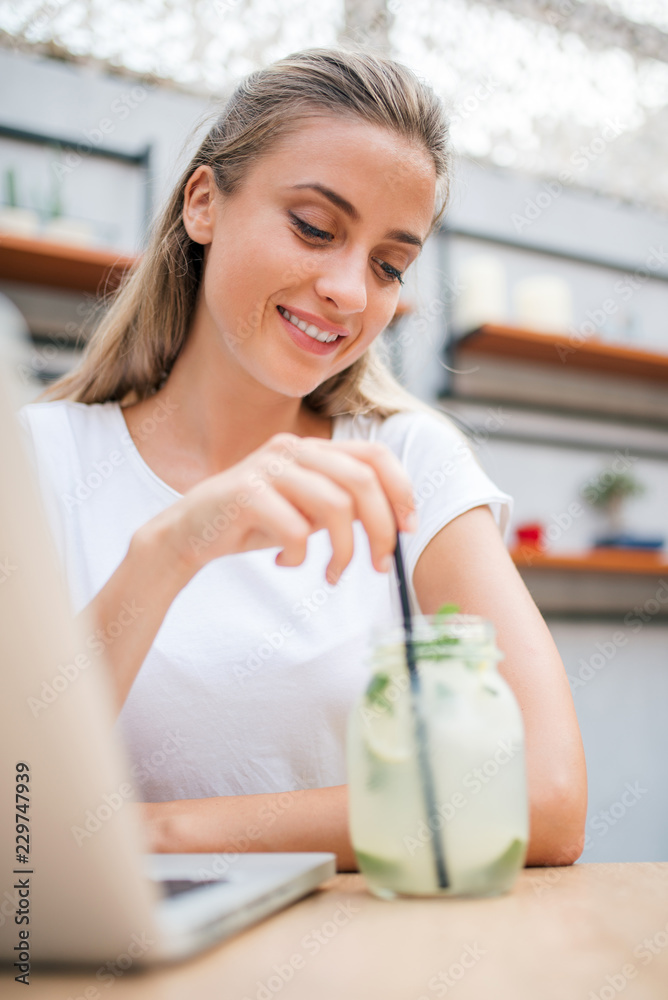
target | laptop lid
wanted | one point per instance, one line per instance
(76, 885)
(72, 875)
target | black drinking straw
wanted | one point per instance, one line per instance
(420, 725)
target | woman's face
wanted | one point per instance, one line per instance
(320, 230)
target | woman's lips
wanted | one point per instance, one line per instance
(303, 340)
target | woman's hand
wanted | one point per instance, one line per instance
(312, 819)
(284, 491)
(152, 820)
(277, 496)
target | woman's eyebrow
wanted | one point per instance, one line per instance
(336, 199)
(403, 237)
(394, 234)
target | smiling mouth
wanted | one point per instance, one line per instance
(310, 329)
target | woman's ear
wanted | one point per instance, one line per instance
(199, 205)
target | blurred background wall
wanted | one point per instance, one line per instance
(537, 315)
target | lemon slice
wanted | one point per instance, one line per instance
(374, 866)
(507, 864)
(387, 735)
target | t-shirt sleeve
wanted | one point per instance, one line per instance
(447, 479)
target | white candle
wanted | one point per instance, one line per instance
(544, 303)
(483, 296)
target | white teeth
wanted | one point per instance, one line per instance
(308, 328)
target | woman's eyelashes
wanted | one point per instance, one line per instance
(393, 273)
(308, 230)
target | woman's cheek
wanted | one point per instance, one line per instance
(290, 263)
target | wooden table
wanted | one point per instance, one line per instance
(586, 931)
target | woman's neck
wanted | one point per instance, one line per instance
(206, 418)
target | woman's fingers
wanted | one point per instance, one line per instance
(375, 479)
(371, 505)
(394, 482)
(291, 487)
(326, 505)
(273, 520)
(392, 476)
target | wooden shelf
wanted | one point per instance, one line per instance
(603, 560)
(61, 265)
(561, 350)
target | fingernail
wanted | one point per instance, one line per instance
(384, 564)
(332, 577)
(411, 522)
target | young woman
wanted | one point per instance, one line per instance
(232, 445)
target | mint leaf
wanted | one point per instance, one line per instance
(435, 648)
(375, 693)
(448, 609)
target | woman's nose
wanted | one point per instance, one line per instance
(343, 283)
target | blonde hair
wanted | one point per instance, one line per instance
(134, 346)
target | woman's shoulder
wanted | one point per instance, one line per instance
(441, 461)
(401, 428)
(50, 417)
(63, 437)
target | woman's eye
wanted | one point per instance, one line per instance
(307, 230)
(392, 272)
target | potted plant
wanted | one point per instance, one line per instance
(14, 219)
(608, 494)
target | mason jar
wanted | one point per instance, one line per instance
(472, 812)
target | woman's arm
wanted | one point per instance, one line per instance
(137, 596)
(319, 484)
(314, 819)
(468, 564)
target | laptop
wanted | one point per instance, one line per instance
(99, 897)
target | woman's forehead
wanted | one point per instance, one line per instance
(358, 161)
(329, 134)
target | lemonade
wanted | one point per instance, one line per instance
(475, 745)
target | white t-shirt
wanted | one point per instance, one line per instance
(249, 682)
